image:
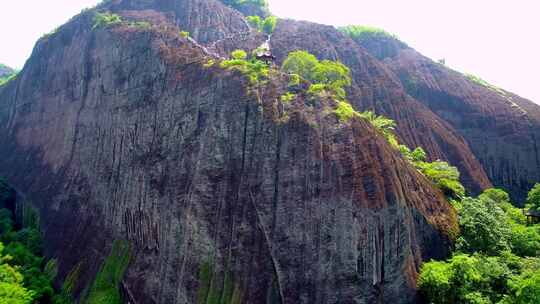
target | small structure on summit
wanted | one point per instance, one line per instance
(264, 54)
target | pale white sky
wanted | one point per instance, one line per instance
(495, 39)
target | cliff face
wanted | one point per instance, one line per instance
(376, 88)
(122, 133)
(502, 129)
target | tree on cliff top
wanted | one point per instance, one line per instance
(533, 199)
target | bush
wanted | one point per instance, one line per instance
(254, 69)
(345, 111)
(255, 22)
(484, 228)
(365, 32)
(105, 288)
(106, 19)
(326, 76)
(12, 290)
(464, 279)
(287, 97)
(443, 175)
(269, 25)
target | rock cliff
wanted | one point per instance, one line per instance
(224, 193)
(502, 129)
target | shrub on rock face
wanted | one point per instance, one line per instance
(269, 24)
(106, 19)
(254, 69)
(326, 75)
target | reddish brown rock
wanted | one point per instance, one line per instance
(376, 88)
(502, 129)
(121, 133)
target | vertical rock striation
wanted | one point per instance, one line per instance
(502, 129)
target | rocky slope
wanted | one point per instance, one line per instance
(121, 133)
(502, 129)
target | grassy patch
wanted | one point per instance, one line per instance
(106, 19)
(105, 288)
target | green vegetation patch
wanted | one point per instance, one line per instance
(533, 198)
(267, 25)
(255, 70)
(327, 77)
(216, 288)
(345, 111)
(106, 286)
(365, 32)
(5, 80)
(481, 82)
(288, 97)
(25, 276)
(497, 256)
(106, 19)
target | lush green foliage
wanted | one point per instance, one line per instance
(384, 125)
(12, 289)
(484, 227)
(345, 111)
(7, 79)
(288, 97)
(269, 24)
(184, 34)
(266, 25)
(364, 32)
(327, 77)
(24, 250)
(105, 288)
(254, 69)
(533, 199)
(497, 258)
(443, 175)
(106, 19)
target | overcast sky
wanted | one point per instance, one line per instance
(494, 39)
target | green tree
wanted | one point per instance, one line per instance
(464, 279)
(533, 199)
(301, 63)
(12, 290)
(528, 289)
(269, 24)
(254, 21)
(443, 175)
(484, 227)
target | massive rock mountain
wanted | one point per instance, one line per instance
(501, 128)
(223, 192)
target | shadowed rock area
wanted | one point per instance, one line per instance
(223, 192)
